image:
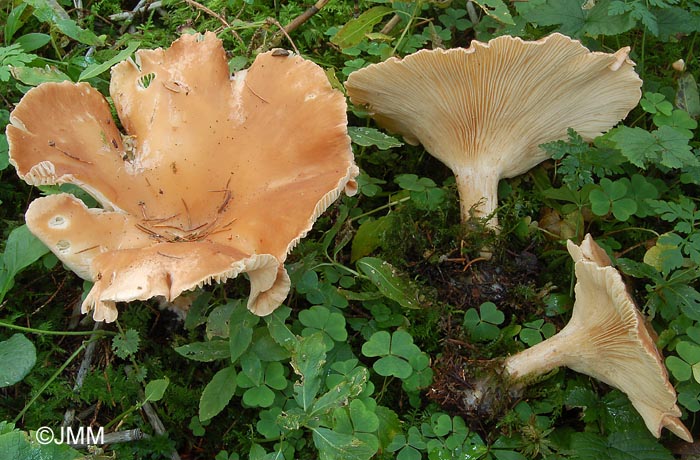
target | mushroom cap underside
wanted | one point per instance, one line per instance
(491, 105)
(616, 346)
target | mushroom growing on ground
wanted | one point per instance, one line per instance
(484, 111)
(606, 339)
(215, 176)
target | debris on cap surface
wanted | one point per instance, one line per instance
(213, 176)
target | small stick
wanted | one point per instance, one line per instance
(305, 16)
(478, 259)
(150, 232)
(206, 231)
(169, 256)
(187, 210)
(88, 249)
(157, 424)
(140, 8)
(389, 26)
(53, 144)
(295, 23)
(48, 301)
(124, 436)
(222, 228)
(117, 437)
(473, 16)
(199, 6)
(224, 205)
(139, 5)
(245, 82)
(78, 4)
(227, 197)
(87, 360)
(160, 220)
(69, 416)
(284, 32)
(198, 227)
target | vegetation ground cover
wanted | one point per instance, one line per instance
(392, 304)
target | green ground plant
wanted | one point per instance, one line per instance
(392, 303)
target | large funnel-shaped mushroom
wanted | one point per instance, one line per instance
(606, 338)
(484, 111)
(215, 176)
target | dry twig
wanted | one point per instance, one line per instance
(305, 16)
(141, 7)
(69, 416)
(389, 26)
(295, 23)
(208, 11)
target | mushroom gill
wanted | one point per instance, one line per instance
(485, 110)
(607, 339)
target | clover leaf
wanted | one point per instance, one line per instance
(536, 331)
(689, 395)
(259, 393)
(656, 103)
(394, 352)
(688, 364)
(331, 324)
(483, 326)
(423, 191)
(409, 447)
(612, 196)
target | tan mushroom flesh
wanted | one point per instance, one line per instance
(214, 176)
(607, 339)
(483, 111)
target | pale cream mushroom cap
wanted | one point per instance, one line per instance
(215, 176)
(628, 358)
(484, 110)
(607, 339)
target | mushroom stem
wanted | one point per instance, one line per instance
(478, 193)
(543, 357)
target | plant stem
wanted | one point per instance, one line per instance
(337, 265)
(45, 332)
(641, 229)
(641, 59)
(408, 26)
(51, 379)
(119, 417)
(385, 206)
(689, 56)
